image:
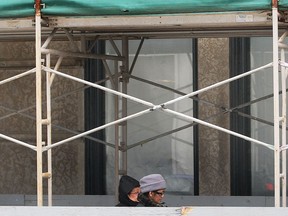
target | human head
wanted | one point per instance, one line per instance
(129, 188)
(153, 186)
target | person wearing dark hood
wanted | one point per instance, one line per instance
(129, 189)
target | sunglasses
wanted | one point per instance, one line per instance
(159, 193)
(137, 192)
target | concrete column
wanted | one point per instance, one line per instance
(214, 146)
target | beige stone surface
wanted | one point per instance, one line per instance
(17, 119)
(214, 147)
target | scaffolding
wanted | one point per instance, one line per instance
(233, 23)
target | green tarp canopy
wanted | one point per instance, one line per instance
(25, 8)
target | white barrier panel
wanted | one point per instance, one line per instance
(111, 211)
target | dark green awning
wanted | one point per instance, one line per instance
(25, 8)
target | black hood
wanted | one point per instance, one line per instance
(126, 185)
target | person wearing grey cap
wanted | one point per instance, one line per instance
(152, 190)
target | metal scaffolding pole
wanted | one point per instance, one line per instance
(38, 102)
(125, 80)
(276, 104)
(49, 130)
(116, 133)
(283, 155)
(283, 129)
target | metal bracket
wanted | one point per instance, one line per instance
(123, 147)
(125, 76)
(44, 22)
(46, 175)
(52, 22)
(43, 5)
(45, 121)
(283, 16)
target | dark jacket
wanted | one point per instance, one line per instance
(144, 201)
(126, 185)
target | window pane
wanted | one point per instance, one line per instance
(262, 85)
(167, 63)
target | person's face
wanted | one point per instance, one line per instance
(133, 195)
(157, 196)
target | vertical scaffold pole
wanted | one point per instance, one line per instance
(116, 117)
(125, 71)
(38, 102)
(276, 104)
(49, 129)
(283, 129)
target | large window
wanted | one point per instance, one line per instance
(262, 88)
(162, 65)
